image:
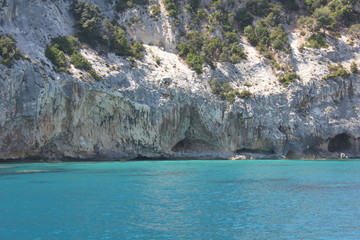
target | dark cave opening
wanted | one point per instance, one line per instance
(341, 143)
(190, 144)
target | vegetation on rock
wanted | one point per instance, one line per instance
(354, 68)
(57, 57)
(8, 50)
(68, 47)
(155, 12)
(121, 5)
(288, 78)
(354, 31)
(93, 28)
(80, 62)
(337, 71)
(226, 92)
(88, 18)
(200, 48)
(213, 33)
(317, 41)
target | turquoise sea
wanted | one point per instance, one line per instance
(180, 200)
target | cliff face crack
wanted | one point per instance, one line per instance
(341, 143)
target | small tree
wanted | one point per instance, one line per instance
(116, 38)
(88, 18)
(80, 62)
(324, 18)
(195, 62)
(354, 68)
(8, 50)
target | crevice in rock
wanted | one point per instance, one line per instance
(341, 143)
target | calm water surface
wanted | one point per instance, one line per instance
(181, 200)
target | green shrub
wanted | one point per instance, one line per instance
(317, 41)
(185, 48)
(67, 44)
(344, 11)
(354, 68)
(117, 42)
(243, 18)
(94, 75)
(324, 17)
(279, 39)
(121, 5)
(137, 50)
(210, 49)
(259, 7)
(329, 14)
(288, 78)
(88, 18)
(354, 31)
(132, 61)
(80, 62)
(195, 62)
(195, 39)
(200, 15)
(313, 4)
(307, 22)
(116, 39)
(250, 35)
(193, 4)
(290, 5)
(267, 35)
(225, 91)
(231, 37)
(232, 53)
(8, 50)
(155, 12)
(172, 7)
(337, 71)
(56, 56)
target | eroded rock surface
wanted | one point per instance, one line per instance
(167, 111)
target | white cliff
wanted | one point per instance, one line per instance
(167, 110)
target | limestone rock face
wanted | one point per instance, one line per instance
(165, 110)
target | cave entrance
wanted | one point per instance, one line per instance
(341, 143)
(190, 144)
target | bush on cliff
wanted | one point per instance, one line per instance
(226, 92)
(80, 62)
(336, 71)
(88, 19)
(268, 34)
(317, 41)
(288, 78)
(8, 50)
(199, 48)
(56, 56)
(121, 5)
(67, 44)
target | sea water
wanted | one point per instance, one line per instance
(180, 200)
